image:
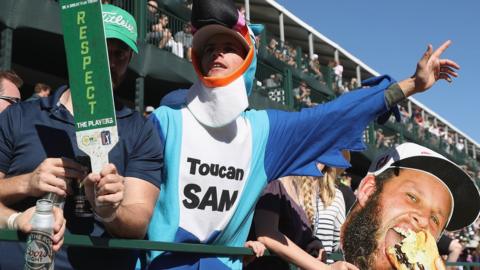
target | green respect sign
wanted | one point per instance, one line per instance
(88, 67)
(90, 82)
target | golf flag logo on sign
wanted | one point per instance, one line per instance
(89, 76)
(106, 137)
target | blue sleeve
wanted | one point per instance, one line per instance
(156, 124)
(174, 98)
(146, 160)
(9, 116)
(168, 126)
(163, 115)
(298, 140)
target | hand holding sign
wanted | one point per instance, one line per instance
(105, 191)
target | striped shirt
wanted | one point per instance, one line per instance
(327, 221)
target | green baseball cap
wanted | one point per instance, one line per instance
(120, 24)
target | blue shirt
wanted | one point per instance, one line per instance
(33, 131)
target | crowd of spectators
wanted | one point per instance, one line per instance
(180, 44)
(273, 86)
(287, 53)
(302, 96)
(311, 66)
(176, 37)
(314, 66)
(338, 74)
(467, 244)
(40, 90)
(425, 128)
(283, 52)
(188, 4)
(292, 57)
(168, 32)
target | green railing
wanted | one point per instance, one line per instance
(274, 83)
(465, 265)
(110, 243)
(278, 55)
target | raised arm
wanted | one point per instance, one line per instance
(266, 229)
(298, 140)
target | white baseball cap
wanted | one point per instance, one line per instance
(464, 192)
(149, 109)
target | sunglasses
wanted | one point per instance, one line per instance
(11, 100)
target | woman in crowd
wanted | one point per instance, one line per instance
(329, 208)
(294, 216)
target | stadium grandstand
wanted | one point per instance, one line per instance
(296, 68)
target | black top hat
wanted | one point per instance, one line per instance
(205, 12)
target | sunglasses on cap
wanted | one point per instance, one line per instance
(11, 100)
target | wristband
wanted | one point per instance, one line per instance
(12, 221)
(108, 219)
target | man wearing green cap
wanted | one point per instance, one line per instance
(38, 152)
(121, 29)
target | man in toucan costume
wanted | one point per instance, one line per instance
(219, 157)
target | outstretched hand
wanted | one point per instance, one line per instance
(430, 69)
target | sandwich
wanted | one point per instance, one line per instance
(417, 251)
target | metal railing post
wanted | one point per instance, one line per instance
(139, 94)
(140, 13)
(287, 87)
(6, 37)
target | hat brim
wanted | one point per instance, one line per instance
(466, 197)
(112, 33)
(205, 33)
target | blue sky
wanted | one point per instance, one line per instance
(390, 37)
